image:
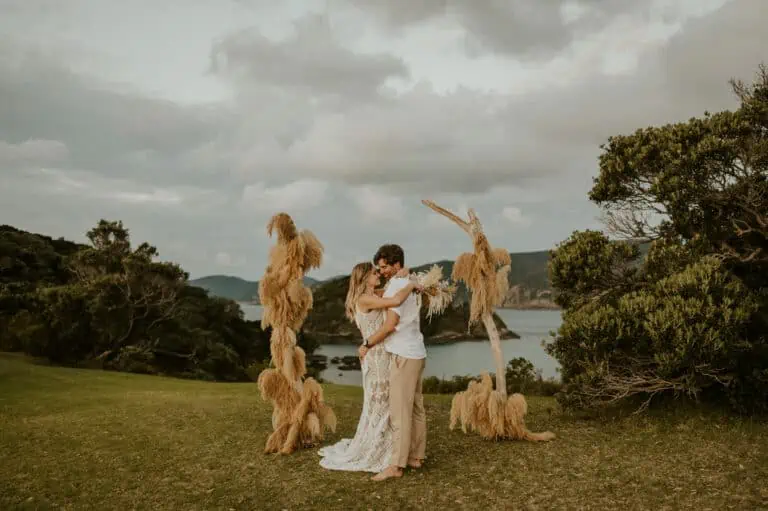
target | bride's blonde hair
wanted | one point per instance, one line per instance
(357, 285)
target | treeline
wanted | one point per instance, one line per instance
(114, 306)
(691, 318)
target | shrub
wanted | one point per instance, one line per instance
(521, 377)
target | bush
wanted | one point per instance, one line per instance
(435, 385)
(63, 332)
(521, 377)
(692, 333)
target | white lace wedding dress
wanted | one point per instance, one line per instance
(371, 448)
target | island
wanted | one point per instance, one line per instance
(326, 323)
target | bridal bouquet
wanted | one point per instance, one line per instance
(438, 293)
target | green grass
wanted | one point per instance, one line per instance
(85, 439)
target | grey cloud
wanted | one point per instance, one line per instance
(682, 79)
(525, 28)
(32, 152)
(177, 174)
(108, 131)
(464, 141)
(728, 44)
(312, 60)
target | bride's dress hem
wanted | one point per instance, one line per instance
(370, 449)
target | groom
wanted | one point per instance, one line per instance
(406, 344)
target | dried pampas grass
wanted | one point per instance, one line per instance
(485, 271)
(492, 414)
(438, 294)
(300, 415)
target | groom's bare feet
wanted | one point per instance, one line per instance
(414, 463)
(388, 473)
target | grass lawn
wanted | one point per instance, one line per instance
(86, 439)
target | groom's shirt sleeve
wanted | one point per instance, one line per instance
(395, 285)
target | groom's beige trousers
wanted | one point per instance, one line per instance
(406, 409)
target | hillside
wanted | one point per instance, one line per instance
(328, 325)
(30, 259)
(235, 288)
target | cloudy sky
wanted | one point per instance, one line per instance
(195, 120)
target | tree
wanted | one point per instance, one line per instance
(691, 318)
(111, 305)
(132, 295)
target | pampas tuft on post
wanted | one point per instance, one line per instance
(480, 408)
(299, 414)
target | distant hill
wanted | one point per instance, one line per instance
(225, 286)
(235, 288)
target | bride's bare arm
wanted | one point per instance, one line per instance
(370, 302)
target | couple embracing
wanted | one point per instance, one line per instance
(392, 432)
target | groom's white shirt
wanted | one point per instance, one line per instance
(406, 340)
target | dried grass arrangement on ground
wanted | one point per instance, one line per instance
(481, 408)
(492, 414)
(299, 414)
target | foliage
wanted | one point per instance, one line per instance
(435, 385)
(589, 266)
(110, 305)
(521, 377)
(692, 317)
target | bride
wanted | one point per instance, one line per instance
(370, 449)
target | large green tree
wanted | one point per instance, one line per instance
(115, 306)
(691, 317)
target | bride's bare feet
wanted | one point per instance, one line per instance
(388, 473)
(414, 463)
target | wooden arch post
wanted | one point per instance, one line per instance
(485, 271)
(299, 412)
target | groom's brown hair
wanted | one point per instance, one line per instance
(391, 253)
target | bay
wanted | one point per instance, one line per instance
(463, 358)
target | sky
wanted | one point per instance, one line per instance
(193, 121)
